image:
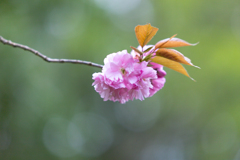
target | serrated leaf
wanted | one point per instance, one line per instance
(172, 42)
(145, 33)
(170, 64)
(136, 50)
(174, 55)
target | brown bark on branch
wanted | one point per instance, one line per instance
(45, 58)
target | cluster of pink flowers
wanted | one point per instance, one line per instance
(124, 78)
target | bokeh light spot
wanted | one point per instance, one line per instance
(55, 137)
(63, 21)
(163, 151)
(137, 115)
(118, 6)
(96, 132)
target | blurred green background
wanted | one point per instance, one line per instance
(51, 111)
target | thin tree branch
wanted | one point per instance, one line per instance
(45, 58)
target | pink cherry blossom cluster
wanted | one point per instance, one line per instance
(124, 78)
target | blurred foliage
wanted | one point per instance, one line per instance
(51, 111)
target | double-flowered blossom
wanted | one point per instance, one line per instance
(140, 74)
(124, 78)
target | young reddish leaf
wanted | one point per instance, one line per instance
(172, 42)
(162, 42)
(136, 50)
(170, 64)
(174, 56)
(145, 33)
